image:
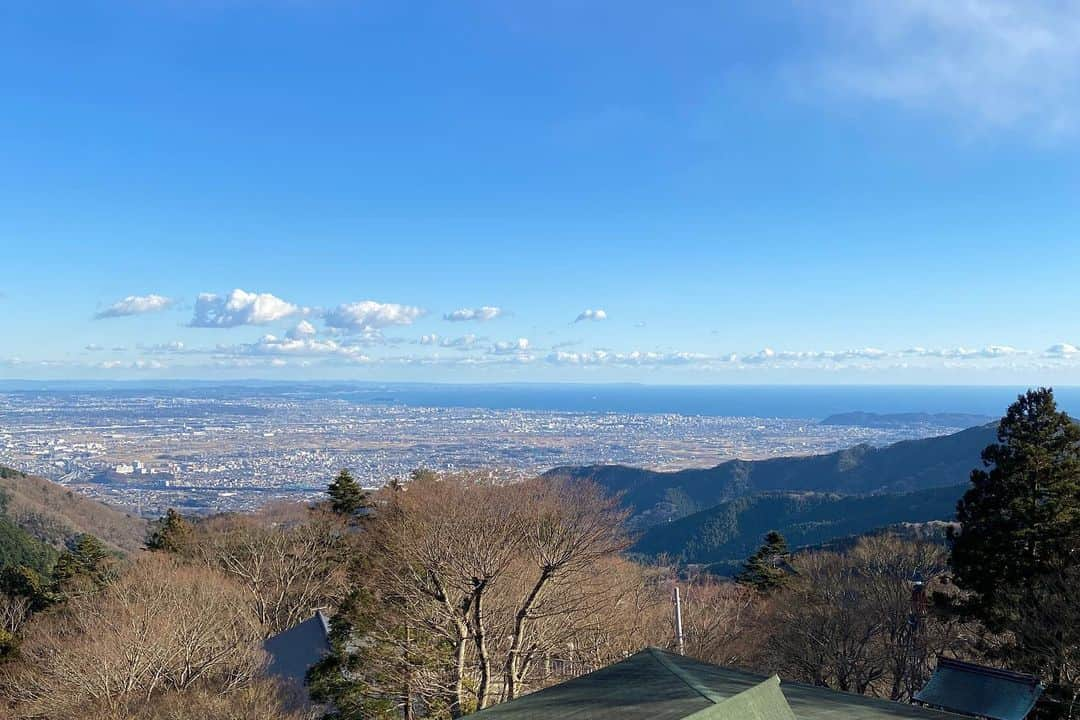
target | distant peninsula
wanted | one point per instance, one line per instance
(892, 420)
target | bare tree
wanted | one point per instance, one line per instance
(722, 621)
(823, 632)
(289, 559)
(14, 611)
(160, 628)
(502, 576)
(862, 621)
(1047, 635)
(569, 528)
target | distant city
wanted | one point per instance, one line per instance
(233, 448)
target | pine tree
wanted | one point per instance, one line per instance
(1016, 550)
(170, 533)
(346, 495)
(1021, 517)
(765, 570)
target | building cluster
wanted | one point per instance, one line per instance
(240, 449)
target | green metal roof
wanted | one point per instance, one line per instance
(657, 685)
(978, 690)
(764, 701)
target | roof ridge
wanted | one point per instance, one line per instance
(1002, 673)
(773, 704)
(685, 675)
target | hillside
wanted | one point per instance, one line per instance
(656, 497)
(729, 532)
(53, 514)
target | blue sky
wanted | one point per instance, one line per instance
(670, 193)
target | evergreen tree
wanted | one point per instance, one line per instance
(377, 662)
(1018, 538)
(346, 495)
(24, 581)
(85, 567)
(170, 533)
(765, 570)
(9, 644)
(343, 678)
(1021, 516)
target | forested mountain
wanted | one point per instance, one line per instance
(730, 531)
(18, 547)
(657, 497)
(54, 515)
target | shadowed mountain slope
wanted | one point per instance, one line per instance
(731, 531)
(657, 497)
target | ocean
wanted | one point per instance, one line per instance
(781, 401)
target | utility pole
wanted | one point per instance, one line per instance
(678, 621)
(916, 646)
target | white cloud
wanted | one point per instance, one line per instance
(465, 342)
(303, 329)
(135, 305)
(370, 315)
(272, 345)
(988, 352)
(480, 314)
(990, 63)
(94, 347)
(510, 347)
(768, 355)
(240, 308)
(762, 356)
(131, 365)
(590, 314)
(771, 357)
(1062, 350)
(634, 358)
(170, 347)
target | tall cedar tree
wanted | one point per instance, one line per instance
(346, 495)
(765, 570)
(1020, 529)
(170, 533)
(374, 654)
(1020, 518)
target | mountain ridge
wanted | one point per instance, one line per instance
(728, 532)
(655, 497)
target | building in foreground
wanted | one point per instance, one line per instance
(294, 651)
(657, 685)
(980, 691)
